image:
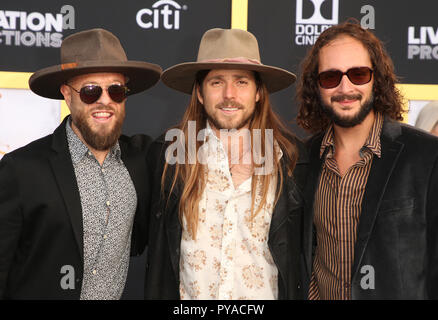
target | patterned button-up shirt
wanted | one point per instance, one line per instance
(230, 258)
(338, 202)
(109, 202)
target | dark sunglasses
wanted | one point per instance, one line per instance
(331, 79)
(91, 93)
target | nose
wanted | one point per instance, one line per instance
(104, 98)
(345, 85)
(229, 91)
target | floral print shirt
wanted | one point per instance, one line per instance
(230, 257)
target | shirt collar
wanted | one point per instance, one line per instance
(372, 143)
(373, 140)
(209, 132)
(78, 149)
(327, 141)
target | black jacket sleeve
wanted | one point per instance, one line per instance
(10, 219)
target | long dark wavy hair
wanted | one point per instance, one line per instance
(387, 98)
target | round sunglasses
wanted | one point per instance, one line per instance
(91, 93)
(332, 78)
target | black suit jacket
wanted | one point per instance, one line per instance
(41, 216)
(398, 227)
(162, 270)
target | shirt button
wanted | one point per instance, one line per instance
(108, 203)
(94, 271)
(105, 236)
(103, 170)
(89, 153)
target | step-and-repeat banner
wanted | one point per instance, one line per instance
(167, 32)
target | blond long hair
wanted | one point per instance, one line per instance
(191, 177)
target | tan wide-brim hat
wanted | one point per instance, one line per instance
(226, 49)
(91, 51)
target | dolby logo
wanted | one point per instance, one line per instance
(312, 18)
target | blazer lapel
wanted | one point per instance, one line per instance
(136, 167)
(172, 224)
(64, 174)
(378, 178)
(174, 233)
(276, 238)
(131, 165)
(314, 172)
(129, 154)
(280, 212)
(282, 208)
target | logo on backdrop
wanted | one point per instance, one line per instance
(35, 29)
(422, 43)
(323, 14)
(163, 14)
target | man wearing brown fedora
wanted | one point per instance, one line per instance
(68, 201)
(222, 228)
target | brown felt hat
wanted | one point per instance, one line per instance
(226, 49)
(91, 51)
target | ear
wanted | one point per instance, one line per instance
(198, 93)
(66, 92)
(258, 95)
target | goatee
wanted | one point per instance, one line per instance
(99, 140)
(351, 121)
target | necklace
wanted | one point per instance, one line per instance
(233, 163)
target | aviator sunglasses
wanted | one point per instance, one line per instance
(92, 92)
(358, 76)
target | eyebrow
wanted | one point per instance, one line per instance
(221, 77)
(95, 82)
(337, 69)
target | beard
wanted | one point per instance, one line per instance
(221, 124)
(348, 121)
(99, 140)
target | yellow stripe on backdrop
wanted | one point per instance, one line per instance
(417, 92)
(239, 14)
(14, 80)
(65, 111)
(20, 80)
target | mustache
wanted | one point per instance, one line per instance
(103, 108)
(342, 97)
(229, 103)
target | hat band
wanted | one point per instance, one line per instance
(235, 60)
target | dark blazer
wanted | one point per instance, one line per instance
(398, 226)
(41, 216)
(162, 270)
